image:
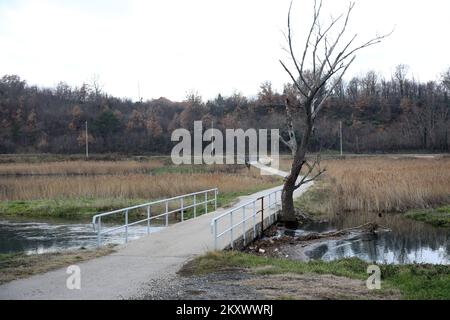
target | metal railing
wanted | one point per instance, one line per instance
(246, 215)
(197, 199)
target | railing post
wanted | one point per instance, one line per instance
(148, 219)
(195, 206)
(206, 202)
(245, 229)
(231, 230)
(270, 207)
(274, 207)
(215, 199)
(99, 232)
(126, 226)
(215, 234)
(182, 209)
(167, 213)
(254, 219)
(270, 201)
(281, 200)
(262, 216)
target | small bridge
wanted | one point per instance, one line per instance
(135, 267)
(241, 224)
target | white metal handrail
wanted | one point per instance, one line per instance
(97, 219)
(268, 202)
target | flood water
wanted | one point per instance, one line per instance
(45, 236)
(408, 242)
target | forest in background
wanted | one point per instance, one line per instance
(378, 115)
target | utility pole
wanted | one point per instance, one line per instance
(212, 138)
(139, 92)
(340, 136)
(87, 141)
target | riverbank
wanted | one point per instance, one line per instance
(276, 278)
(85, 208)
(19, 265)
(125, 274)
(265, 274)
(438, 217)
(78, 189)
(381, 185)
(319, 203)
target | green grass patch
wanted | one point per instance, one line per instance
(315, 201)
(413, 281)
(439, 217)
(214, 261)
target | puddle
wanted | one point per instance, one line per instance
(53, 235)
(409, 242)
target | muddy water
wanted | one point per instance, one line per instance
(42, 236)
(408, 242)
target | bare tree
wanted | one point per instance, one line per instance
(291, 142)
(446, 79)
(400, 74)
(95, 86)
(325, 59)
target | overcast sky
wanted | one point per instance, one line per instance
(173, 46)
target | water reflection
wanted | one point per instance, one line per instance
(409, 241)
(51, 236)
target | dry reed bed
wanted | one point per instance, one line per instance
(79, 167)
(386, 184)
(125, 186)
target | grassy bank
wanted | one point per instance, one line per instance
(80, 208)
(63, 208)
(316, 200)
(19, 265)
(439, 217)
(413, 281)
(76, 189)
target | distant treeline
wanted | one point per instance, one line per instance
(378, 115)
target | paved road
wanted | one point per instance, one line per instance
(124, 273)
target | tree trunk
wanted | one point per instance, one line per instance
(288, 215)
(287, 198)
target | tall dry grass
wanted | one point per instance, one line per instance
(130, 186)
(387, 184)
(79, 167)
